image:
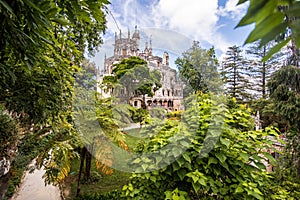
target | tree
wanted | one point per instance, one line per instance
(96, 124)
(233, 169)
(140, 115)
(259, 70)
(279, 21)
(132, 77)
(42, 43)
(274, 20)
(198, 69)
(285, 92)
(235, 75)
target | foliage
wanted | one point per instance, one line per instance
(112, 195)
(131, 75)
(198, 69)
(174, 115)
(288, 189)
(285, 92)
(235, 74)
(140, 115)
(28, 149)
(41, 45)
(279, 21)
(8, 132)
(157, 112)
(274, 20)
(122, 68)
(261, 70)
(269, 115)
(97, 120)
(31, 26)
(233, 169)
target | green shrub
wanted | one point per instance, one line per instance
(175, 115)
(8, 132)
(232, 169)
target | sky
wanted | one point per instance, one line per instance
(172, 25)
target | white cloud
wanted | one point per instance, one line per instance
(231, 10)
(195, 19)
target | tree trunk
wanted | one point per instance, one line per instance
(88, 164)
(82, 157)
(264, 76)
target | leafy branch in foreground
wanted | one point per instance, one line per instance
(274, 20)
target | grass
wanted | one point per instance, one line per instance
(101, 183)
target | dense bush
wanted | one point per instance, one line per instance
(8, 132)
(174, 115)
(232, 168)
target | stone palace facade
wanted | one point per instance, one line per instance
(170, 95)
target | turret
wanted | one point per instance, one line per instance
(136, 34)
(166, 59)
(146, 47)
(150, 48)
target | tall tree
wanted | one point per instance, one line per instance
(285, 92)
(235, 74)
(260, 70)
(198, 69)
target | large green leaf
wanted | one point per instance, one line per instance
(221, 157)
(5, 5)
(275, 32)
(61, 21)
(265, 26)
(276, 48)
(257, 11)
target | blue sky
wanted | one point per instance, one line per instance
(174, 24)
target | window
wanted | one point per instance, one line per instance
(135, 103)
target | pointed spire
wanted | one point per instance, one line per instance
(136, 34)
(150, 48)
(128, 33)
(120, 33)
